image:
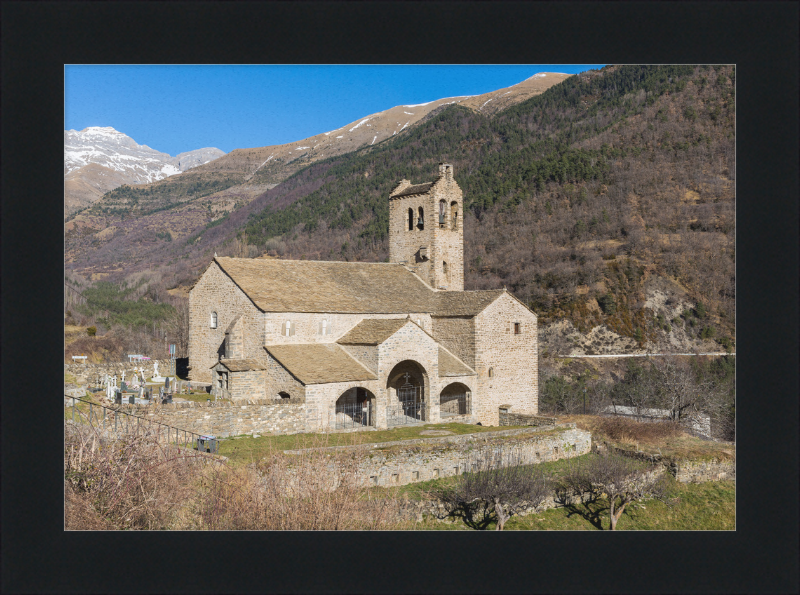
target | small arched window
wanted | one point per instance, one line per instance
(491, 372)
(287, 330)
(444, 268)
(213, 322)
(453, 215)
(442, 214)
(283, 395)
(410, 219)
(421, 222)
(324, 327)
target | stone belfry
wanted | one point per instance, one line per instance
(426, 231)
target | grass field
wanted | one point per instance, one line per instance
(709, 506)
(678, 446)
(248, 449)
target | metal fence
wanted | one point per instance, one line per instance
(354, 415)
(109, 419)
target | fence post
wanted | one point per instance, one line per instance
(73, 409)
(90, 413)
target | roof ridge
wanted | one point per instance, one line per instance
(273, 260)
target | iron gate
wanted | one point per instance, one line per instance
(354, 415)
(410, 409)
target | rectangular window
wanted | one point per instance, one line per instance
(517, 328)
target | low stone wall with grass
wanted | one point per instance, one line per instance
(509, 418)
(257, 416)
(408, 461)
(700, 471)
(683, 470)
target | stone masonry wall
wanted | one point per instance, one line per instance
(443, 244)
(408, 343)
(509, 418)
(366, 354)
(457, 333)
(306, 325)
(88, 373)
(700, 471)
(224, 419)
(278, 380)
(216, 292)
(400, 463)
(512, 358)
(248, 385)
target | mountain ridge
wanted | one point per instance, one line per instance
(98, 159)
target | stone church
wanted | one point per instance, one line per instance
(364, 344)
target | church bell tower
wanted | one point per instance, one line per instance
(426, 231)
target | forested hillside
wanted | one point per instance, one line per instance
(605, 203)
(577, 199)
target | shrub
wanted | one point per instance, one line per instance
(91, 331)
(624, 429)
(708, 332)
(498, 489)
(607, 303)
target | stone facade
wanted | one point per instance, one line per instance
(215, 295)
(253, 323)
(506, 362)
(433, 250)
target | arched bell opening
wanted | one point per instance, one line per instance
(455, 399)
(355, 408)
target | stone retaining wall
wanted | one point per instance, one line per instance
(700, 471)
(507, 418)
(258, 416)
(684, 471)
(410, 461)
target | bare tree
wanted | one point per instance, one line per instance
(499, 486)
(623, 480)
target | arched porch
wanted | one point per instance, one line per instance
(407, 389)
(455, 400)
(355, 408)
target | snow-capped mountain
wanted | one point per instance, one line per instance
(115, 150)
(98, 159)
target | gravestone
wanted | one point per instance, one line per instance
(131, 399)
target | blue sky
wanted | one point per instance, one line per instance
(180, 108)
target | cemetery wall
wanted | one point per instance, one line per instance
(87, 373)
(410, 461)
(258, 416)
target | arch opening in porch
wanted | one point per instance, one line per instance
(355, 408)
(407, 385)
(455, 399)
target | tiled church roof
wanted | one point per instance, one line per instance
(319, 363)
(450, 365)
(347, 288)
(240, 365)
(372, 332)
(319, 286)
(416, 189)
(464, 303)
